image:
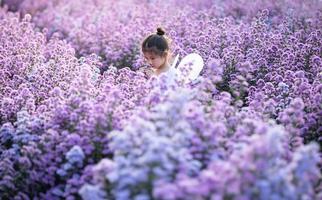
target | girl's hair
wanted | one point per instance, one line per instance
(156, 43)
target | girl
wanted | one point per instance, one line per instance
(156, 51)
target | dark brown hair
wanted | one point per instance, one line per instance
(156, 43)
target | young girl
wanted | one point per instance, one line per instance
(155, 48)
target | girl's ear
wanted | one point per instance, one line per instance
(170, 55)
(167, 55)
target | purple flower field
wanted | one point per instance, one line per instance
(81, 119)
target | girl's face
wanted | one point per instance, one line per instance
(155, 61)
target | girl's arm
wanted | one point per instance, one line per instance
(148, 72)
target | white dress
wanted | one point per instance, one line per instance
(165, 80)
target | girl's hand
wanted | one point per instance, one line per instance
(148, 72)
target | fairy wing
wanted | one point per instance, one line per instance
(175, 61)
(190, 67)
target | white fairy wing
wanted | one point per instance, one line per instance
(190, 67)
(175, 61)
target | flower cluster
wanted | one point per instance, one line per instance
(79, 119)
(259, 170)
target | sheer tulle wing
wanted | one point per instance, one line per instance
(190, 67)
(175, 61)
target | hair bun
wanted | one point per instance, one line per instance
(160, 31)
